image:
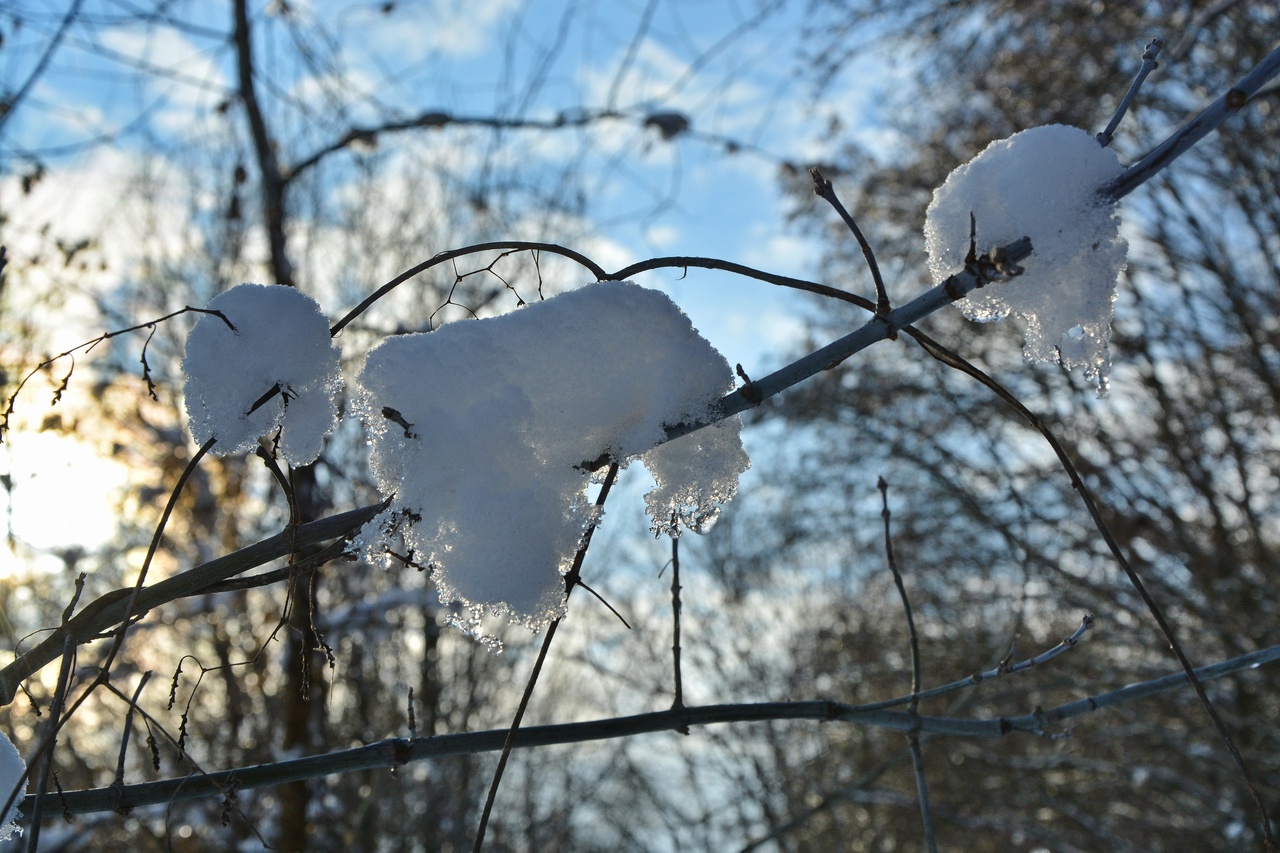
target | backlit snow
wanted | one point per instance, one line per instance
(280, 341)
(1042, 183)
(482, 431)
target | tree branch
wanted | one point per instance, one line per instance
(996, 266)
(397, 752)
(1208, 120)
(273, 185)
(1149, 64)
(109, 610)
(10, 104)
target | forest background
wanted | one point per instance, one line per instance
(157, 153)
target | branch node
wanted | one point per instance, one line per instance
(750, 391)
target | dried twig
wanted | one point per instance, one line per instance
(1209, 119)
(677, 701)
(88, 346)
(823, 189)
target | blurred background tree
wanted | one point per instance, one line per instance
(1181, 453)
(302, 169)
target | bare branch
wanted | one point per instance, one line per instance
(109, 610)
(879, 329)
(570, 581)
(10, 104)
(1149, 64)
(913, 736)
(1207, 121)
(396, 752)
(823, 189)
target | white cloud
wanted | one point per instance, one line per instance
(85, 228)
(413, 31)
(185, 78)
(658, 78)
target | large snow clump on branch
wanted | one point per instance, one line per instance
(1041, 183)
(484, 431)
(278, 356)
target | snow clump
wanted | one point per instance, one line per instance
(12, 768)
(484, 433)
(1042, 183)
(278, 356)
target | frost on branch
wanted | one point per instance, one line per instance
(279, 355)
(1042, 183)
(12, 767)
(482, 432)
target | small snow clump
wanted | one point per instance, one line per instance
(11, 769)
(280, 342)
(484, 432)
(1041, 183)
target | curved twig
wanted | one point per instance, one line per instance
(444, 257)
(571, 579)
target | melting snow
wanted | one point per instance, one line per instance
(1042, 183)
(280, 341)
(482, 431)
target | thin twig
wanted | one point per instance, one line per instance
(45, 753)
(883, 486)
(1095, 514)
(156, 538)
(51, 47)
(128, 727)
(823, 189)
(1149, 64)
(1193, 131)
(998, 671)
(570, 581)
(223, 788)
(913, 707)
(444, 257)
(88, 346)
(600, 598)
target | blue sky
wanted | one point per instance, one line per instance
(128, 93)
(730, 65)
